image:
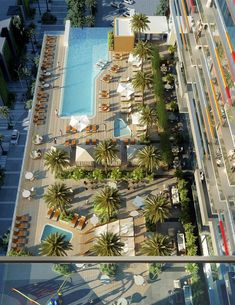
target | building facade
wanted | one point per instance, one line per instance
(204, 32)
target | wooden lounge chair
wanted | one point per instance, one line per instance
(74, 220)
(126, 141)
(114, 141)
(73, 142)
(50, 212)
(94, 128)
(23, 218)
(88, 129)
(94, 142)
(68, 129)
(40, 122)
(132, 142)
(81, 222)
(88, 141)
(74, 130)
(56, 215)
(68, 142)
(20, 240)
(35, 121)
(20, 233)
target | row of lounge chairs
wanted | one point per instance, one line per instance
(77, 221)
(20, 232)
(49, 54)
(71, 142)
(70, 129)
(91, 128)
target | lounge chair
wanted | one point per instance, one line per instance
(94, 128)
(81, 222)
(74, 220)
(23, 218)
(20, 233)
(40, 122)
(68, 142)
(88, 129)
(50, 212)
(126, 141)
(94, 142)
(17, 247)
(23, 225)
(73, 142)
(74, 130)
(56, 215)
(114, 141)
(132, 142)
(88, 141)
(68, 129)
(20, 240)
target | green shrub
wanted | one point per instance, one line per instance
(138, 174)
(66, 217)
(154, 270)
(24, 252)
(165, 145)
(63, 269)
(48, 18)
(78, 174)
(110, 41)
(116, 174)
(97, 174)
(108, 269)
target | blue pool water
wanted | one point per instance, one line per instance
(86, 47)
(48, 229)
(121, 128)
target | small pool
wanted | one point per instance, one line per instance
(49, 229)
(121, 129)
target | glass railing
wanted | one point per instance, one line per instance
(163, 280)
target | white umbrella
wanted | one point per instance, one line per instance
(79, 122)
(135, 117)
(135, 60)
(122, 301)
(112, 184)
(126, 89)
(94, 220)
(139, 280)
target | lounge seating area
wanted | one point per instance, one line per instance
(20, 232)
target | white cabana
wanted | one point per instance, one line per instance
(83, 157)
(135, 60)
(139, 202)
(79, 122)
(125, 89)
(135, 117)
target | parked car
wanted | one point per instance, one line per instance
(116, 4)
(129, 2)
(15, 136)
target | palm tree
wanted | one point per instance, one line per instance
(5, 114)
(58, 196)
(91, 4)
(90, 21)
(108, 244)
(149, 158)
(147, 118)
(156, 245)
(106, 153)
(107, 202)
(156, 208)
(55, 245)
(141, 81)
(139, 23)
(143, 50)
(56, 160)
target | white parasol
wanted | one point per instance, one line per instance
(79, 122)
(126, 89)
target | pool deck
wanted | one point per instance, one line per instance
(36, 207)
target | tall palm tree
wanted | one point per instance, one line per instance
(147, 118)
(156, 245)
(107, 202)
(149, 158)
(141, 81)
(139, 23)
(90, 21)
(58, 196)
(55, 245)
(56, 160)
(143, 50)
(108, 244)
(106, 153)
(156, 208)
(91, 4)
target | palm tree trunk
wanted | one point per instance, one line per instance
(143, 96)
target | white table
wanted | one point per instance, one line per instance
(134, 213)
(122, 301)
(26, 193)
(47, 73)
(29, 176)
(46, 85)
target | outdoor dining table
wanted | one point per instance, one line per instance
(29, 176)
(46, 85)
(47, 73)
(26, 193)
(122, 301)
(139, 280)
(134, 213)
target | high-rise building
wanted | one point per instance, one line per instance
(204, 32)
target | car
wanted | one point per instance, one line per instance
(129, 2)
(15, 136)
(116, 4)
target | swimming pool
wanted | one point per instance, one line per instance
(121, 128)
(85, 48)
(49, 229)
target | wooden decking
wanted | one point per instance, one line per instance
(53, 126)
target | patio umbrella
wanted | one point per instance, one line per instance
(122, 301)
(136, 118)
(112, 184)
(94, 220)
(126, 89)
(135, 60)
(79, 122)
(139, 280)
